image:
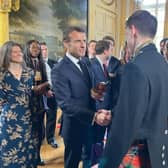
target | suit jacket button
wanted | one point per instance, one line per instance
(163, 162)
(163, 155)
(163, 147)
(166, 132)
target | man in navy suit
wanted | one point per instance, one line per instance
(113, 67)
(49, 101)
(113, 62)
(99, 67)
(72, 82)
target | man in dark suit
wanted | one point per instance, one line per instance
(71, 80)
(99, 68)
(113, 67)
(140, 118)
(49, 101)
(113, 62)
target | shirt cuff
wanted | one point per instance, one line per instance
(94, 118)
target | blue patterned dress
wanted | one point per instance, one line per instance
(17, 149)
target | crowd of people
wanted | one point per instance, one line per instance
(101, 96)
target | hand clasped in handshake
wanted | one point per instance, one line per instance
(103, 117)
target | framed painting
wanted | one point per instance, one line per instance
(45, 20)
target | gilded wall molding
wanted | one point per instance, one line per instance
(108, 2)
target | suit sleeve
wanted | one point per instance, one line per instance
(129, 113)
(72, 107)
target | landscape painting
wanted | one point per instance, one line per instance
(45, 20)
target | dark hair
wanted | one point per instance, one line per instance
(43, 43)
(144, 22)
(166, 43)
(162, 47)
(92, 41)
(27, 54)
(101, 46)
(109, 38)
(5, 53)
(71, 29)
(163, 40)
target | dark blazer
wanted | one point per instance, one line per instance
(141, 111)
(51, 63)
(113, 65)
(51, 102)
(114, 74)
(42, 69)
(73, 97)
(99, 76)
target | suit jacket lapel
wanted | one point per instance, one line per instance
(73, 67)
(99, 67)
(77, 71)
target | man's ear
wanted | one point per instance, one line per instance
(65, 43)
(134, 30)
(105, 52)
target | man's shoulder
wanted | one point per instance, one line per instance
(52, 61)
(62, 63)
(114, 59)
(94, 61)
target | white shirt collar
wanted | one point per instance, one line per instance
(45, 59)
(74, 60)
(100, 61)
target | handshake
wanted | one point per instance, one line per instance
(102, 117)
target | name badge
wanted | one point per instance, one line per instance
(38, 76)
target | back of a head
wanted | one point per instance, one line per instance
(109, 38)
(144, 22)
(101, 46)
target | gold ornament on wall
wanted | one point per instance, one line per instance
(8, 5)
(15, 5)
(5, 5)
(108, 2)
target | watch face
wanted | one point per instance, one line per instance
(108, 2)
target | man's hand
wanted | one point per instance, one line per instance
(98, 91)
(95, 166)
(103, 117)
(49, 93)
(97, 95)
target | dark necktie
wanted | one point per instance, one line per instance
(105, 70)
(84, 71)
(35, 64)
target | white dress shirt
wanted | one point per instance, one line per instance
(74, 60)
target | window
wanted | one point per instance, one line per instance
(157, 8)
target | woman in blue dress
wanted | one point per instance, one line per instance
(17, 149)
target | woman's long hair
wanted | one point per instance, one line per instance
(5, 53)
(27, 53)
